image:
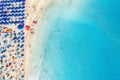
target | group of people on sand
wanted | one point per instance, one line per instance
(12, 39)
(12, 36)
(12, 55)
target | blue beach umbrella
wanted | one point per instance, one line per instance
(20, 26)
(5, 41)
(4, 50)
(3, 56)
(22, 38)
(22, 46)
(0, 29)
(19, 33)
(8, 46)
(6, 35)
(14, 38)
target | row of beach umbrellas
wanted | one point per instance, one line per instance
(11, 40)
(13, 0)
(7, 12)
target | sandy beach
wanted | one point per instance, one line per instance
(15, 61)
(34, 11)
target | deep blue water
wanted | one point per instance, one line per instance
(83, 41)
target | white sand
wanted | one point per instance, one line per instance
(34, 8)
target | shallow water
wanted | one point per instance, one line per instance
(78, 40)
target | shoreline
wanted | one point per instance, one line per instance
(42, 5)
(17, 34)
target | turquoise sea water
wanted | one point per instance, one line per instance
(79, 40)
